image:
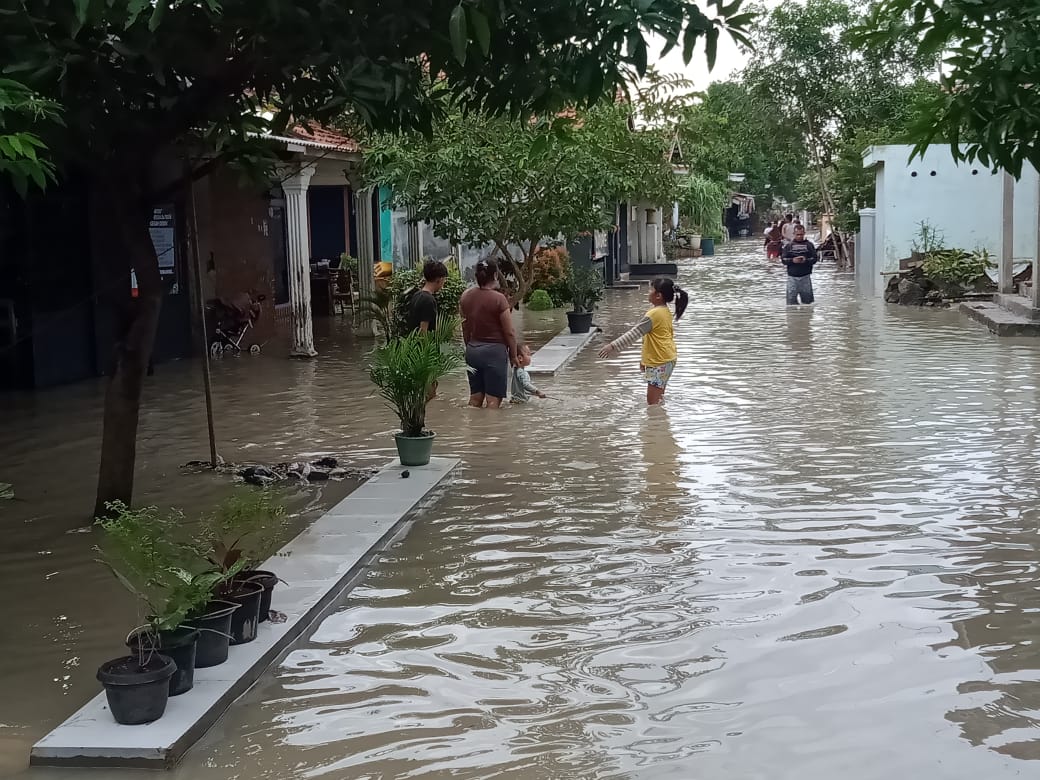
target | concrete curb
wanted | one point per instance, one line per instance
(560, 350)
(320, 565)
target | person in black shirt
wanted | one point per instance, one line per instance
(422, 307)
(799, 256)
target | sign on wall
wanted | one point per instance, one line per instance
(163, 229)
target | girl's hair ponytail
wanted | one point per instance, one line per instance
(682, 300)
(670, 291)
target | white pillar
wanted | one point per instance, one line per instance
(302, 329)
(640, 225)
(366, 239)
(650, 236)
(1034, 290)
(868, 269)
(1006, 271)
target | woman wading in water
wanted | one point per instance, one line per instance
(487, 329)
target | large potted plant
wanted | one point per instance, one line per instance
(585, 290)
(406, 370)
(243, 532)
(140, 547)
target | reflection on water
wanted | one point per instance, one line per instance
(817, 559)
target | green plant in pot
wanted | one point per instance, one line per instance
(239, 535)
(140, 547)
(585, 290)
(406, 371)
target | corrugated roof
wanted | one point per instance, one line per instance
(318, 137)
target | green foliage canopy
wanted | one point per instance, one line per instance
(990, 99)
(480, 179)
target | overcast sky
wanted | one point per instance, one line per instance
(730, 59)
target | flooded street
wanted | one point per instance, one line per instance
(819, 559)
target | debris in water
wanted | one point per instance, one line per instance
(6, 490)
(322, 470)
(405, 474)
(277, 617)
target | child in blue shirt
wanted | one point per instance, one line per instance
(522, 387)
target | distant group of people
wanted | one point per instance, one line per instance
(785, 241)
(498, 362)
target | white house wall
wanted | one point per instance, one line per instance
(963, 202)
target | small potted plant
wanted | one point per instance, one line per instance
(140, 548)
(585, 289)
(242, 533)
(406, 370)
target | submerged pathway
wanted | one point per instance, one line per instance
(819, 559)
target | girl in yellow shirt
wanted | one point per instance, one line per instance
(656, 330)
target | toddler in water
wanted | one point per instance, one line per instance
(656, 330)
(523, 388)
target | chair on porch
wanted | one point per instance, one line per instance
(343, 292)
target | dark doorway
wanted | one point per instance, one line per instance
(328, 218)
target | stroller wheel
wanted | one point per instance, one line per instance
(216, 349)
(255, 349)
(228, 348)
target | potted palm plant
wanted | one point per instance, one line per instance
(140, 547)
(585, 289)
(406, 371)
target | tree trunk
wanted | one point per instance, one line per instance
(137, 320)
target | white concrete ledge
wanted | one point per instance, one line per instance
(319, 565)
(559, 351)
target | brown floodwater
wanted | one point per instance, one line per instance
(818, 559)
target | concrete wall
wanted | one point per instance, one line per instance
(963, 202)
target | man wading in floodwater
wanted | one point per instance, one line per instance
(799, 256)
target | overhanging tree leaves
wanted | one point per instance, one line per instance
(991, 74)
(23, 156)
(481, 180)
(139, 78)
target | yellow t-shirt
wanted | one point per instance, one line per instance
(659, 343)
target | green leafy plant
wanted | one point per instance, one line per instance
(585, 288)
(540, 301)
(702, 201)
(349, 263)
(928, 239)
(142, 548)
(377, 308)
(405, 370)
(956, 266)
(242, 532)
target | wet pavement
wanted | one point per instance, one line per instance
(818, 559)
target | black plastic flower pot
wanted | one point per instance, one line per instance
(180, 646)
(579, 321)
(214, 625)
(265, 579)
(137, 693)
(246, 619)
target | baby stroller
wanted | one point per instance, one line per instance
(234, 316)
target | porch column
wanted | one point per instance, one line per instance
(415, 247)
(299, 239)
(366, 238)
(650, 236)
(1006, 271)
(640, 241)
(1034, 289)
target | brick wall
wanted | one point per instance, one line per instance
(238, 243)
